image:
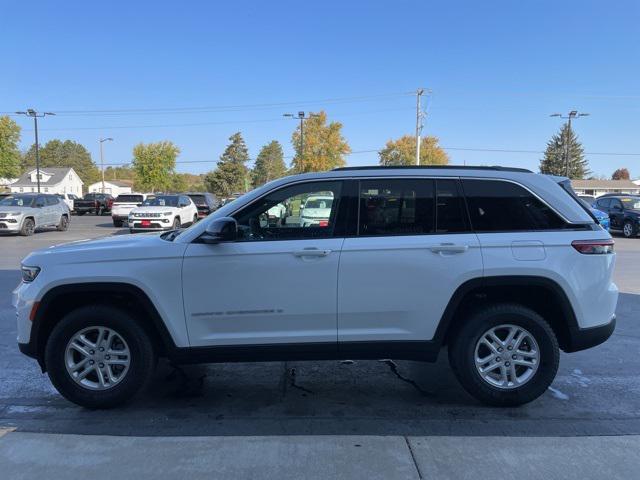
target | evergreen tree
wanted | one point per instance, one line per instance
(232, 174)
(9, 152)
(269, 164)
(554, 161)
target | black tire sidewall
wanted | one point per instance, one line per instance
(140, 347)
(462, 354)
(27, 232)
(633, 229)
(176, 223)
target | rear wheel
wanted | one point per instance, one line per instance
(629, 229)
(99, 357)
(28, 227)
(505, 355)
(117, 223)
(63, 224)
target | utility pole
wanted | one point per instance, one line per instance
(102, 140)
(32, 113)
(302, 116)
(571, 115)
(419, 93)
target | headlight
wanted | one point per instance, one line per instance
(29, 274)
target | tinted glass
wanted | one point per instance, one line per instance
(52, 200)
(18, 201)
(162, 201)
(280, 216)
(450, 210)
(199, 200)
(129, 199)
(603, 203)
(396, 207)
(496, 206)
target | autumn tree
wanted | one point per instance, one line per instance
(154, 165)
(9, 152)
(403, 152)
(269, 164)
(555, 160)
(67, 153)
(231, 174)
(621, 174)
(323, 146)
(119, 173)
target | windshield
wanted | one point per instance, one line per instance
(318, 203)
(198, 199)
(129, 199)
(631, 203)
(162, 201)
(17, 201)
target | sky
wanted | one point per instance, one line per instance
(196, 72)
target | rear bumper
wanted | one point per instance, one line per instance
(584, 338)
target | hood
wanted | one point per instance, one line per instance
(6, 209)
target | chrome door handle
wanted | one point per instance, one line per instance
(311, 252)
(449, 248)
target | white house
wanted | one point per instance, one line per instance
(600, 187)
(52, 180)
(5, 182)
(112, 187)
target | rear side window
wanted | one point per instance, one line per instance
(603, 203)
(450, 211)
(129, 199)
(396, 207)
(52, 200)
(199, 200)
(499, 206)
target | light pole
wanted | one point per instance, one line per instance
(419, 93)
(102, 140)
(302, 116)
(32, 113)
(571, 115)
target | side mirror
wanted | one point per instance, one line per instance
(223, 229)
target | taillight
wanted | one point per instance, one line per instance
(594, 247)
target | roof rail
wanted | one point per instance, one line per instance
(436, 167)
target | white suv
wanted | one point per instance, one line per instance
(503, 266)
(163, 212)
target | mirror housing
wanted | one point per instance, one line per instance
(224, 229)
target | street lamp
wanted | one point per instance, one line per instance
(32, 113)
(102, 140)
(571, 115)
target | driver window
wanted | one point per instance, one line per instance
(306, 210)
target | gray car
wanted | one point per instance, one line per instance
(23, 213)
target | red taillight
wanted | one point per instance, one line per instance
(594, 247)
(323, 223)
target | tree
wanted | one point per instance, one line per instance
(554, 161)
(324, 146)
(403, 152)
(9, 152)
(187, 182)
(119, 173)
(67, 153)
(154, 165)
(621, 174)
(231, 174)
(269, 164)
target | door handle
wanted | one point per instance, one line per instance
(449, 248)
(311, 252)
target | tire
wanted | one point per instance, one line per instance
(195, 219)
(117, 223)
(629, 230)
(28, 227)
(63, 225)
(100, 211)
(133, 380)
(463, 350)
(176, 223)
(80, 213)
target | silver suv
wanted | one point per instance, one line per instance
(23, 213)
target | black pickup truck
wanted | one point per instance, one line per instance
(98, 203)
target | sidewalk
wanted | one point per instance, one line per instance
(33, 455)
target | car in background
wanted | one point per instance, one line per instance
(230, 199)
(4, 195)
(69, 199)
(590, 199)
(123, 204)
(163, 212)
(205, 202)
(98, 203)
(316, 211)
(23, 213)
(623, 212)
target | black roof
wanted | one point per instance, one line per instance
(436, 167)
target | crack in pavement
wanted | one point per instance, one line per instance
(393, 366)
(292, 374)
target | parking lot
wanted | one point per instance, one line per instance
(596, 392)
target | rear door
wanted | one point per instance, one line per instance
(412, 249)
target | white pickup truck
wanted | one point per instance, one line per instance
(123, 204)
(68, 198)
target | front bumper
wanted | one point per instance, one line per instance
(155, 224)
(584, 338)
(6, 225)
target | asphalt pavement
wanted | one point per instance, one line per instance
(401, 414)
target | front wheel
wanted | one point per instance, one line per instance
(629, 229)
(195, 219)
(117, 223)
(176, 224)
(63, 224)
(99, 357)
(28, 227)
(505, 355)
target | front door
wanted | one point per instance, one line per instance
(412, 250)
(277, 284)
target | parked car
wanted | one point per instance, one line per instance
(602, 217)
(123, 204)
(24, 213)
(315, 211)
(205, 202)
(163, 212)
(623, 211)
(97, 203)
(590, 199)
(69, 199)
(503, 266)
